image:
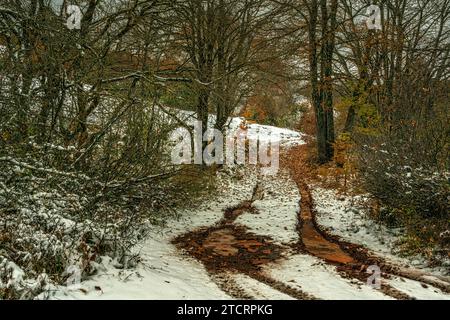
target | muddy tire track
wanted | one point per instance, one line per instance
(351, 260)
(227, 284)
(282, 287)
(364, 258)
(318, 244)
(227, 248)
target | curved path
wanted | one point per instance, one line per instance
(246, 259)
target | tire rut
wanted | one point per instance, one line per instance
(228, 248)
(282, 287)
(228, 285)
(351, 260)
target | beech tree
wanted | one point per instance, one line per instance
(320, 23)
(223, 41)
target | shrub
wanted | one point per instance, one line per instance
(408, 173)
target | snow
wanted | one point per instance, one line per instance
(277, 210)
(287, 137)
(342, 216)
(165, 273)
(258, 289)
(314, 276)
(18, 280)
(416, 290)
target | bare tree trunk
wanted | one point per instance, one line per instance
(322, 91)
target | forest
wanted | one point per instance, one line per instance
(136, 138)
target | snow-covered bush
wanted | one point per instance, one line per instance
(395, 183)
(44, 226)
(83, 161)
(410, 177)
(53, 219)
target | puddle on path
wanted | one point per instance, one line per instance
(229, 246)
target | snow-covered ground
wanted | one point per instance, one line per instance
(314, 276)
(257, 289)
(167, 273)
(286, 137)
(277, 209)
(344, 217)
(277, 218)
(416, 289)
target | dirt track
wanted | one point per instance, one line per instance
(227, 249)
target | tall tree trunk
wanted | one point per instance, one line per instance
(328, 36)
(322, 91)
(316, 96)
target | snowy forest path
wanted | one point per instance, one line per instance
(240, 259)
